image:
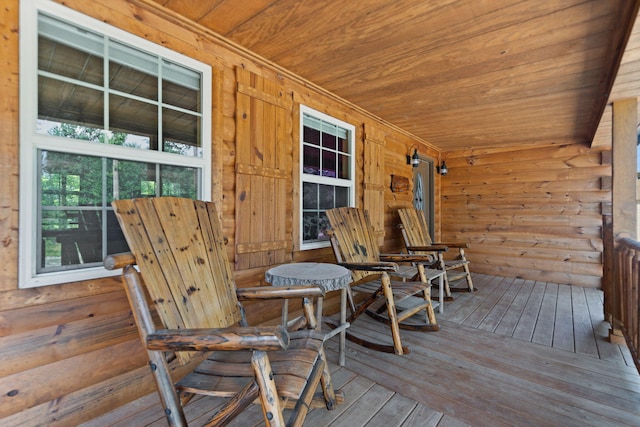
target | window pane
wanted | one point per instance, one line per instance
(128, 179)
(70, 237)
(328, 141)
(181, 87)
(311, 136)
(343, 167)
(310, 226)
(343, 145)
(179, 181)
(311, 160)
(60, 102)
(326, 197)
(67, 61)
(342, 197)
(181, 133)
(69, 51)
(138, 120)
(70, 180)
(329, 163)
(309, 195)
(323, 226)
(129, 80)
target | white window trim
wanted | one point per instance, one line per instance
(30, 141)
(351, 184)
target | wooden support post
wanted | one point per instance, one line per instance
(623, 200)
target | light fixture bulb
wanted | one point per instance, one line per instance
(443, 169)
(415, 160)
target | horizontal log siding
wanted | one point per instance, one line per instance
(71, 352)
(533, 214)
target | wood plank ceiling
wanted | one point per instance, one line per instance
(456, 73)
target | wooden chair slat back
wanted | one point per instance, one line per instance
(354, 234)
(179, 248)
(415, 227)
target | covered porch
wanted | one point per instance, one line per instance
(517, 352)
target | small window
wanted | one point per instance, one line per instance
(327, 172)
(105, 115)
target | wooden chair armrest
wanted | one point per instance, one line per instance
(406, 257)
(234, 338)
(453, 244)
(430, 248)
(370, 266)
(279, 292)
(121, 260)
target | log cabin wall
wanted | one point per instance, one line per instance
(536, 214)
(71, 352)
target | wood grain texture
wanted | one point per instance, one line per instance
(529, 214)
(542, 72)
(475, 375)
(508, 181)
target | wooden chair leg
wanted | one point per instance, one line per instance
(327, 385)
(430, 314)
(271, 408)
(442, 266)
(468, 277)
(393, 316)
(307, 306)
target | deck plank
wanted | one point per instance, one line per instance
(585, 339)
(423, 416)
(391, 414)
(365, 408)
(563, 329)
(543, 332)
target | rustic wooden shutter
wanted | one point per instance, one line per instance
(263, 164)
(374, 141)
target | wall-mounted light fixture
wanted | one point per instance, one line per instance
(442, 169)
(413, 159)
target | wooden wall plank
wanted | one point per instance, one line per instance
(9, 146)
(530, 213)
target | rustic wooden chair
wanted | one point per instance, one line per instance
(397, 303)
(415, 233)
(179, 249)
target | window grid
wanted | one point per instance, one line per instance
(327, 173)
(60, 156)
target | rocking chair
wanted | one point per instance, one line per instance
(397, 303)
(415, 233)
(179, 249)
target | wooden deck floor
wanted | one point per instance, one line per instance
(515, 353)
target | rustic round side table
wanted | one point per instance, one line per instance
(329, 277)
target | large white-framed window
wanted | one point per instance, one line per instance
(104, 115)
(327, 171)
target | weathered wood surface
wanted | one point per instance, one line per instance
(481, 370)
(50, 325)
(533, 214)
(459, 74)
